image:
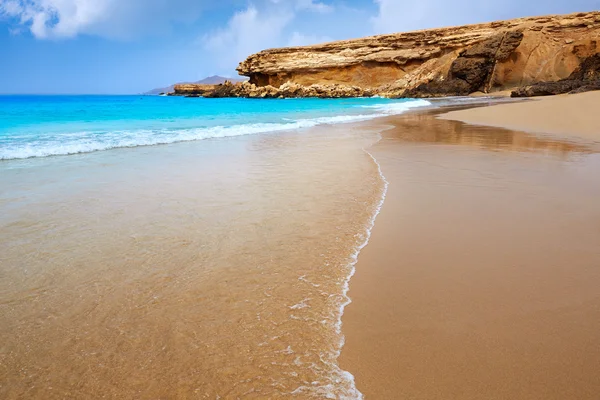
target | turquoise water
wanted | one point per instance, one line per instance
(39, 126)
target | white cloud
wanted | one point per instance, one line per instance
(299, 39)
(10, 7)
(404, 15)
(247, 32)
(401, 16)
(260, 27)
(392, 14)
(311, 5)
(122, 18)
(306, 5)
(106, 18)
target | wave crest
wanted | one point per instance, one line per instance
(86, 142)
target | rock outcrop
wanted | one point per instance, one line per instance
(438, 62)
(192, 89)
(540, 55)
(586, 77)
(472, 70)
(287, 90)
(211, 80)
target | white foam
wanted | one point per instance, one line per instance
(303, 279)
(354, 392)
(301, 305)
(86, 142)
(398, 108)
(342, 385)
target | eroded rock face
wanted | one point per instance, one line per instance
(192, 89)
(472, 70)
(439, 62)
(287, 90)
(586, 77)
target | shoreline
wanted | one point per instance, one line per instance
(384, 109)
(299, 170)
(137, 136)
(281, 216)
(376, 306)
(354, 260)
(563, 116)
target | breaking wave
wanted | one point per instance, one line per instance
(90, 141)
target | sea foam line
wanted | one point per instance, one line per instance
(87, 142)
(356, 394)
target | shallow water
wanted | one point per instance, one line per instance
(40, 126)
(210, 269)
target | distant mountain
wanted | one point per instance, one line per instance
(211, 80)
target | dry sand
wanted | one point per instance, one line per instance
(575, 115)
(481, 279)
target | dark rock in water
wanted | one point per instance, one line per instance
(586, 77)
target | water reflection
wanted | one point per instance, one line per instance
(426, 128)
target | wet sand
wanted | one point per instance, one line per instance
(198, 270)
(571, 116)
(481, 277)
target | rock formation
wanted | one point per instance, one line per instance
(485, 58)
(472, 70)
(586, 77)
(211, 80)
(192, 89)
(287, 90)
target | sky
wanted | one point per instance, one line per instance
(131, 46)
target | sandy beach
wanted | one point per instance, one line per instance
(299, 199)
(480, 280)
(568, 116)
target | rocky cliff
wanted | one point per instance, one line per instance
(586, 77)
(451, 61)
(211, 80)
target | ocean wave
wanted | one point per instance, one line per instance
(398, 108)
(87, 142)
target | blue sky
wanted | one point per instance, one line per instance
(130, 46)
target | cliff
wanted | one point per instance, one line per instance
(586, 77)
(193, 89)
(451, 61)
(211, 80)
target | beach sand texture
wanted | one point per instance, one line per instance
(198, 270)
(481, 277)
(218, 269)
(575, 115)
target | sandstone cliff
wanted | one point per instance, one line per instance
(450, 61)
(586, 77)
(193, 89)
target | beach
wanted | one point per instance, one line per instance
(401, 255)
(202, 269)
(481, 276)
(301, 199)
(567, 116)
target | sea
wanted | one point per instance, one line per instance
(165, 247)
